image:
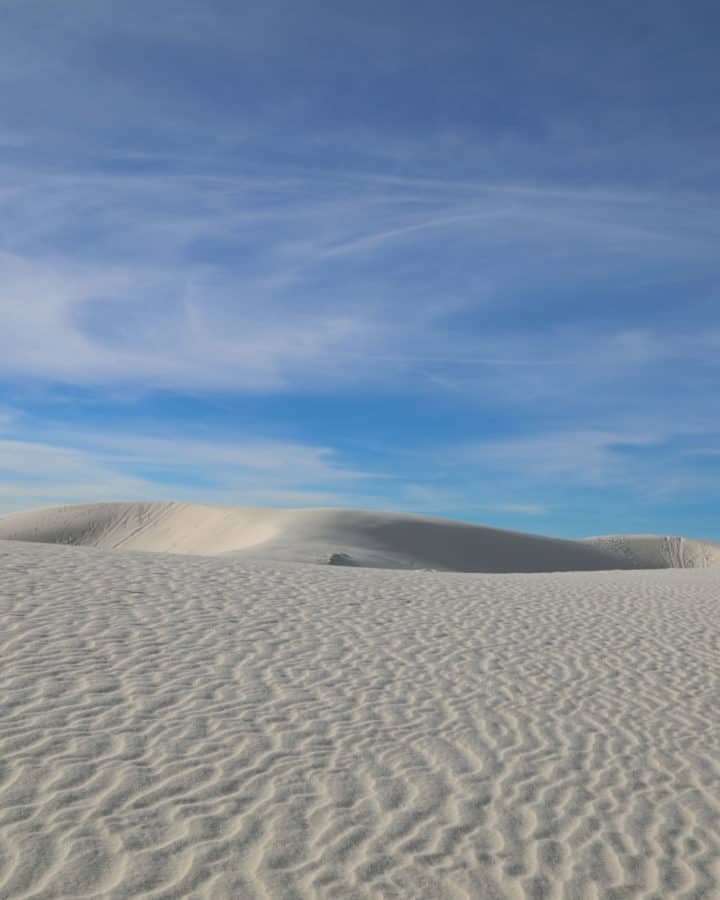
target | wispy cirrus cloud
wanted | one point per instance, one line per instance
(8, 418)
(643, 457)
(594, 457)
(71, 465)
(92, 467)
(261, 283)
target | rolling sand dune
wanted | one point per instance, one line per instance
(653, 551)
(212, 727)
(350, 537)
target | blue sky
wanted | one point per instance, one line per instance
(450, 258)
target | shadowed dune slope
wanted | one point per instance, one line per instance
(344, 537)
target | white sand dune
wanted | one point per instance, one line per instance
(352, 537)
(199, 727)
(655, 551)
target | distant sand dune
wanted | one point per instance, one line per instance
(351, 537)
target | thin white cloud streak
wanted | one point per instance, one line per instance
(100, 327)
(51, 56)
(594, 377)
(586, 456)
(91, 467)
(271, 283)
(525, 509)
(424, 498)
(296, 459)
(8, 418)
(645, 458)
(510, 478)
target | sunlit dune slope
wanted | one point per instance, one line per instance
(344, 537)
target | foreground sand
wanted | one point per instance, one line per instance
(210, 727)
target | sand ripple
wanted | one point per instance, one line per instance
(195, 727)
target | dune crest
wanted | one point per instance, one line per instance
(345, 537)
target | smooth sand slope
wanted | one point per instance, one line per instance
(186, 726)
(351, 537)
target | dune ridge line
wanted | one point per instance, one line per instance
(345, 537)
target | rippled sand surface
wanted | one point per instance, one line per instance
(206, 727)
